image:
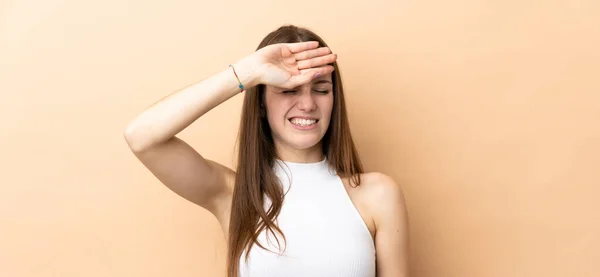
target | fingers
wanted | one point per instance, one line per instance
(308, 75)
(302, 46)
(304, 55)
(316, 62)
(322, 70)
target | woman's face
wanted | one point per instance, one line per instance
(299, 117)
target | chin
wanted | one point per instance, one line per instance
(304, 143)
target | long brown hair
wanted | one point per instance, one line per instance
(254, 175)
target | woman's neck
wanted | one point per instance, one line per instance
(310, 155)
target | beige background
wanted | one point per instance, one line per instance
(487, 113)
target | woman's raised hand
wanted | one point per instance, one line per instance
(289, 65)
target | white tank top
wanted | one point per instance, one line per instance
(325, 234)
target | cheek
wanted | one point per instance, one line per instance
(326, 106)
(276, 117)
(277, 106)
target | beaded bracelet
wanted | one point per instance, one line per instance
(238, 78)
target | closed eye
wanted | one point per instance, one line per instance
(294, 91)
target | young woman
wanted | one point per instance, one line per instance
(298, 203)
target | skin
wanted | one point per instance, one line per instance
(378, 199)
(313, 100)
(151, 136)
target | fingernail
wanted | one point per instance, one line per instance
(317, 75)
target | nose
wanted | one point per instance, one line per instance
(306, 101)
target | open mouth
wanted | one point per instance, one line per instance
(303, 122)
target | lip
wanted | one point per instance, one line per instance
(309, 127)
(303, 117)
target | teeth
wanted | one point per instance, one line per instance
(303, 122)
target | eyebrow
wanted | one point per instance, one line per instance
(322, 81)
(315, 83)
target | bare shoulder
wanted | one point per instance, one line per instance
(377, 185)
(386, 202)
(384, 197)
(374, 185)
(379, 199)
